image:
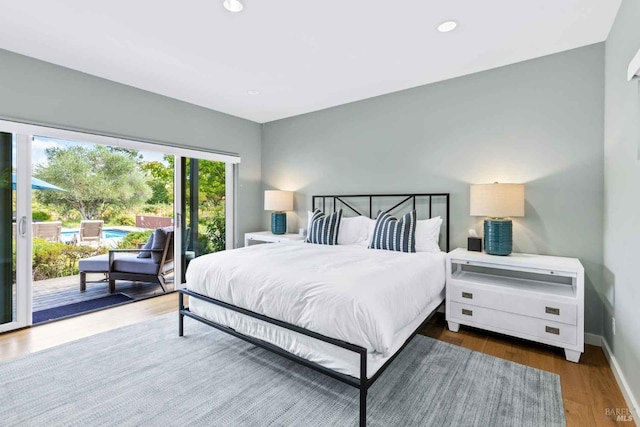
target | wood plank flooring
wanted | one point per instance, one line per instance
(66, 290)
(588, 388)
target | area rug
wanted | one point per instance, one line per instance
(78, 308)
(145, 374)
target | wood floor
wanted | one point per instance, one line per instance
(66, 290)
(588, 388)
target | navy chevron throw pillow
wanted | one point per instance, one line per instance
(324, 229)
(394, 234)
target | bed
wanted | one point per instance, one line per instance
(345, 310)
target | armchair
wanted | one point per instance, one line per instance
(152, 269)
(132, 264)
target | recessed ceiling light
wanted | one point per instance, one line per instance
(233, 5)
(447, 26)
(253, 92)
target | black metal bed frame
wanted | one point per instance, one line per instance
(363, 383)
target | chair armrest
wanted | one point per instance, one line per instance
(135, 250)
(113, 252)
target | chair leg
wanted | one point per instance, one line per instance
(162, 283)
(112, 286)
(83, 281)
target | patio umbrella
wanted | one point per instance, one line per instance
(37, 184)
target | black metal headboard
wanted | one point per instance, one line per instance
(397, 201)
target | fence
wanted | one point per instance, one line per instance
(145, 221)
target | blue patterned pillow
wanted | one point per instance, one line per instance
(395, 234)
(324, 229)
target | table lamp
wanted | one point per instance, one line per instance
(497, 202)
(279, 202)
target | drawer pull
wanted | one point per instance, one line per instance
(468, 295)
(550, 330)
(552, 310)
(467, 312)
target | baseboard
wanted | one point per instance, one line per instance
(593, 339)
(622, 382)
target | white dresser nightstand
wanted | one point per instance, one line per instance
(535, 297)
(269, 237)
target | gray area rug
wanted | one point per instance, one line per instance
(145, 374)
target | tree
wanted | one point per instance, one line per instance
(211, 181)
(160, 179)
(94, 178)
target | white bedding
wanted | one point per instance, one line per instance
(371, 298)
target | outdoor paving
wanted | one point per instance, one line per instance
(66, 290)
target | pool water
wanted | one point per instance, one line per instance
(107, 233)
(112, 234)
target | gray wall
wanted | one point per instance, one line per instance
(538, 122)
(622, 204)
(43, 93)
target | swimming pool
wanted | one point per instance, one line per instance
(107, 233)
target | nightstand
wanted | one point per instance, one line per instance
(269, 237)
(535, 297)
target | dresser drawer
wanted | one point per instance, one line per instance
(527, 304)
(514, 324)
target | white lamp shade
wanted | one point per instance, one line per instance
(280, 201)
(233, 5)
(497, 200)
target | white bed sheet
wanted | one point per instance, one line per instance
(322, 353)
(370, 298)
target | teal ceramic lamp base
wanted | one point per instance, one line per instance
(278, 222)
(498, 236)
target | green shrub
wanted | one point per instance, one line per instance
(114, 215)
(131, 240)
(59, 259)
(157, 210)
(40, 216)
(124, 219)
(213, 237)
(216, 233)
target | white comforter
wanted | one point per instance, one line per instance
(358, 295)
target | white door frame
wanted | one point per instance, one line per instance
(231, 205)
(177, 223)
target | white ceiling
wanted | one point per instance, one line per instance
(301, 55)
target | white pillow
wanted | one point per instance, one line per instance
(428, 235)
(370, 229)
(309, 216)
(354, 230)
(427, 232)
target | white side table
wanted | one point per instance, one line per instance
(535, 297)
(269, 237)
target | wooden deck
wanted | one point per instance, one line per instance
(66, 290)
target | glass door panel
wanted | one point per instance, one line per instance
(7, 231)
(15, 264)
(203, 201)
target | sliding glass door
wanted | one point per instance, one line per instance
(15, 262)
(7, 270)
(192, 190)
(205, 206)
